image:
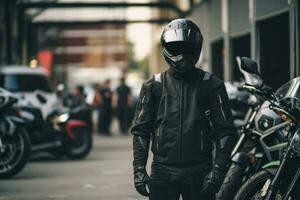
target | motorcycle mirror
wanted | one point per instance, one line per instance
(249, 65)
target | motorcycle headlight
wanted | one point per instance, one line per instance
(62, 118)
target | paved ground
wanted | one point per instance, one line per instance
(104, 175)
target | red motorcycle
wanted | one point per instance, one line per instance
(61, 133)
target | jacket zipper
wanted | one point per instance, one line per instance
(201, 140)
(181, 117)
(221, 107)
(142, 110)
(157, 138)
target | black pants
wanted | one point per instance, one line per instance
(104, 120)
(171, 182)
(123, 117)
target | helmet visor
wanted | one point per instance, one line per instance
(178, 48)
(184, 35)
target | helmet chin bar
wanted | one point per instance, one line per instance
(181, 64)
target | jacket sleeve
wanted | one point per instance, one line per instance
(142, 127)
(221, 118)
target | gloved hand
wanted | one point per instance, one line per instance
(141, 181)
(213, 181)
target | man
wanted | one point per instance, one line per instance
(105, 108)
(124, 103)
(182, 110)
(79, 95)
(74, 99)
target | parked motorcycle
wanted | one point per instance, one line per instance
(14, 140)
(262, 140)
(62, 133)
(279, 180)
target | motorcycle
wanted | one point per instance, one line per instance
(261, 140)
(14, 140)
(279, 180)
(62, 133)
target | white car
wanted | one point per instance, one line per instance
(31, 85)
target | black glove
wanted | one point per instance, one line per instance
(141, 181)
(213, 181)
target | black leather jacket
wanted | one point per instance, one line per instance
(182, 116)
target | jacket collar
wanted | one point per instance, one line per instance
(188, 75)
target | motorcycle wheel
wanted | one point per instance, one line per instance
(81, 145)
(14, 153)
(252, 189)
(232, 182)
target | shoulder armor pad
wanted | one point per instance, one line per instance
(157, 77)
(207, 76)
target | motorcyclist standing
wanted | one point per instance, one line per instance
(183, 111)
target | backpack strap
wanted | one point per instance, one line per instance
(206, 81)
(157, 90)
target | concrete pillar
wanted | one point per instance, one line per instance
(294, 6)
(225, 29)
(253, 33)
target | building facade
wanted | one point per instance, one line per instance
(97, 46)
(8, 31)
(262, 30)
(267, 31)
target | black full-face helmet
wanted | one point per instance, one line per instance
(181, 43)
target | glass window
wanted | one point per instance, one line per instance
(24, 83)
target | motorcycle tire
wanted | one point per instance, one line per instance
(81, 146)
(232, 182)
(253, 186)
(12, 163)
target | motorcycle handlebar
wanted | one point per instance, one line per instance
(263, 90)
(251, 88)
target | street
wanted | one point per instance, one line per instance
(105, 174)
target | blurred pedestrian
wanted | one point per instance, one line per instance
(103, 99)
(59, 90)
(79, 93)
(124, 106)
(77, 98)
(71, 99)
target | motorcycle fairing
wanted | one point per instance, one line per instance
(8, 125)
(71, 125)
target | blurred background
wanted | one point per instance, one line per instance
(77, 40)
(63, 53)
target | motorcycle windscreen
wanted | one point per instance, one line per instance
(290, 93)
